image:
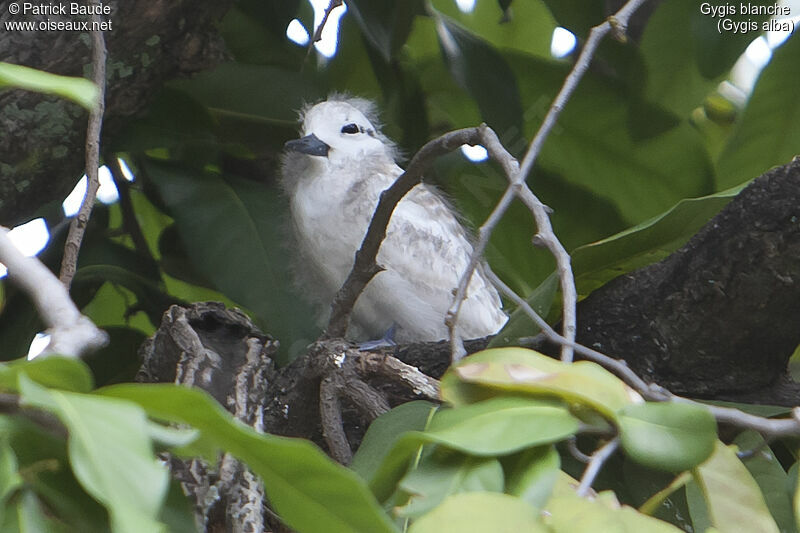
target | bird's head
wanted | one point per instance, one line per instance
(340, 130)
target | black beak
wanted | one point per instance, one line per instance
(310, 144)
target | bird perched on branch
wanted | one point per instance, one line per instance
(334, 176)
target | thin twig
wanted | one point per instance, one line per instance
(617, 23)
(618, 367)
(317, 37)
(574, 451)
(595, 464)
(71, 333)
(544, 237)
(78, 226)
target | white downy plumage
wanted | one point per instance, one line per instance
(334, 176)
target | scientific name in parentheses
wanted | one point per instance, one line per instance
(723, 11)
(74, 8)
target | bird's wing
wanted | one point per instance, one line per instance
(425, 253)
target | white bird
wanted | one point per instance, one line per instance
(334, 175)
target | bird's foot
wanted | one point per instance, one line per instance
(384, 342)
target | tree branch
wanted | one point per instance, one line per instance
(71, 333)
(595, 464)
(78, 226)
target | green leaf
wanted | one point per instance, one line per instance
(646, 243)
(172, 120)
(79, 90)
(232, 231)
(533, 474)
(480, 511)
(440, 475)
(493, 427)
(568, 513)
(309, 491)
(527, 27)
(731, 495)
(10, 480)
(667, 436)
(483, 72)
(109, 452)
(796, 497)
(66, 373)
(686, 56)
(768, 133)
(641, 176)
(255, 33)
(30, 515)
(578, 15)
(501, 425)
(386, 24)
(229, 90)
(772, 479)
(525, 371)
(384, 431)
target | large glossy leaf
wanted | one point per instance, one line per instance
(640, 175)
(385, 23)
(255, 33)
(109, 452)
(772, 479)
(568, 513)
(533, 474)
(686, 56)
(493, 427)
(232, 230)
(577, 15)
(440, 475)
(732, 497)
(480, 511)
(521, 370)
(308, 490)
(667, 436)
(27, 516)
(385, 430)
(172, 120)
(501, 425)
(481, 70)
(527, 27)
(42, 457)
(648, 242)
(768, 133)
(65, 373)
(10, 480)
(253, 92)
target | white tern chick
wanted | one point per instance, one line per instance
(334, 175)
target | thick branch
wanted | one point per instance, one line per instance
(717, 318)
(71, 333)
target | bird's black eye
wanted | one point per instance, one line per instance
(350, 128)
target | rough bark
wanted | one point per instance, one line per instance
(720, 317)
(41, 145)
(222, 352)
